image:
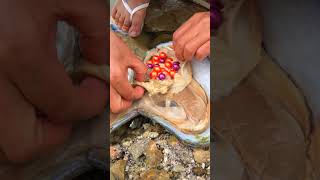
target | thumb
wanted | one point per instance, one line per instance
(139, 68)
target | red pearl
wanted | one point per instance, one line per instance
(170, 59)
(155, 58)
(149, 62)
(153, 75)
(162, 55)
(168, 65)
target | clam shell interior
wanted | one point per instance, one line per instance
(186, 113)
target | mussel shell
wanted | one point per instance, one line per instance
(201, 73)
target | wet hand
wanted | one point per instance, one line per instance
(122, 94)
(192, 39)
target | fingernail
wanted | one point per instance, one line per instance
(133, 33)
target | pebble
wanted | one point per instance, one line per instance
(146, 126)
(155, 174)
(173, 141)
(117, 169)
(198, 171)
(201, 178)
(127, 143)
(135, 124)
(203, 165)
(162, 142)
(149, 134)
(153, 155)
(115, 152)
(137, 149)
(178, 168)
(201, 156)
(157, 128)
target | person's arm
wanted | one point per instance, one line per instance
(121, 91)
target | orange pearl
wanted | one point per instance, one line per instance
(172, 73)
(157, 69)
(149, 62)
(155, 58)
(168, 65)
(163, 55)
(153, 75)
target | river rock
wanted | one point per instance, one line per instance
(201, 156)
(199, 171)
(168, 15)
(138, 148)
(118, 170)
(178, 168)
(149, 134)
(153, 155)
(173, 141)
(155, 174)
(115, 152)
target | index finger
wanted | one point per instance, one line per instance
(90, 18)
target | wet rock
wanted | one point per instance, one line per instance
(139, 45)
(153, 155)
(168, 15)
(161, 38)
(162, 142)
(127, 142)
(117, 170)
(149, 134)
(146, 126)
(173, 141)
(115, 152)
(155, 174)
(178, 168)
(157, 128)
(138, 148)
(203, 165)
(201, 178)
(199, 171)
(201, 156)
(112, 177)
(135, 124)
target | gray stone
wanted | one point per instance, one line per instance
(138, 148)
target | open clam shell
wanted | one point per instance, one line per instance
(188, 113)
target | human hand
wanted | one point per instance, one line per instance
(192, 39)
(122, 93)
(38, 99)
